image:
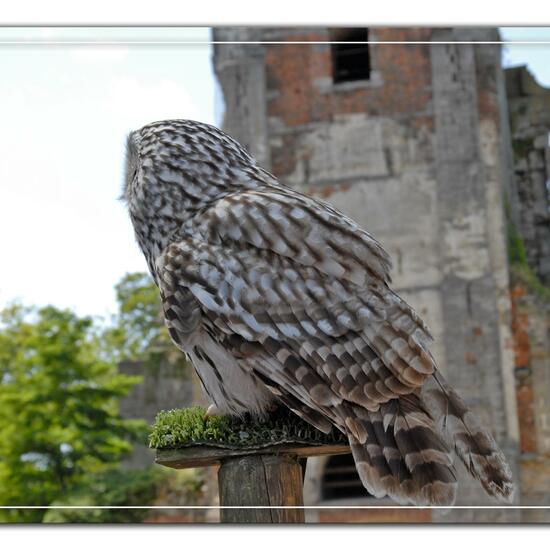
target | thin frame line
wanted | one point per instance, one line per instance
(217, 42)
(281, 507)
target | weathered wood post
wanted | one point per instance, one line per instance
(261, 480)
(260, 465)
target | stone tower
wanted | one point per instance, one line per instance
(412, 141)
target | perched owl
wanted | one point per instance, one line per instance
(277, 297)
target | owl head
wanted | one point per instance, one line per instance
(189, 159)
(176, 168)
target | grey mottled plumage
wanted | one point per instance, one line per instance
(278, 297)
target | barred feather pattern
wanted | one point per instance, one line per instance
(277, 297)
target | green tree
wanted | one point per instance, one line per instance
(59, 420)
(137, 332)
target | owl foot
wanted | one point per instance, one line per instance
(212, 410)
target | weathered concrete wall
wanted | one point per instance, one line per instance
(415, 155)
(473, 237)
(241, 72)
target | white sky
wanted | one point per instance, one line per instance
(65, 112)
(65, 239)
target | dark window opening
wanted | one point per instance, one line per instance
(341, 480)
(350, 62)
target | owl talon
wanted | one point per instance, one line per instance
(212, 410)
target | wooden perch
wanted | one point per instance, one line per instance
(261, 464)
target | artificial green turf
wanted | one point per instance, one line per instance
(187, 427)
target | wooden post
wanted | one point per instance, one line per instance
(267, 476)
(261, 480)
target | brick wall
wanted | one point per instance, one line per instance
(531, 328)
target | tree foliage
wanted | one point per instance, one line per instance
(61, 436)
(137, 332)
(113, 487)
(59, 420)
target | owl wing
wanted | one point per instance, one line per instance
(292, 225)
(334, 351)
(273, 293)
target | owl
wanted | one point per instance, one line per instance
(278, 298)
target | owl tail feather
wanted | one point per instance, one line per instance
(399, 453)
(473, 444)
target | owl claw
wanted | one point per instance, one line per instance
(212, 410)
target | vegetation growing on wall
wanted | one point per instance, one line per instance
(520, 268)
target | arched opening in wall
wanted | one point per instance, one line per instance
(351, 61)
(341, 480)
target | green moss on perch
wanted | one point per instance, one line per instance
(188, 428)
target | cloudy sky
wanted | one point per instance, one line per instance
(66, 108)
